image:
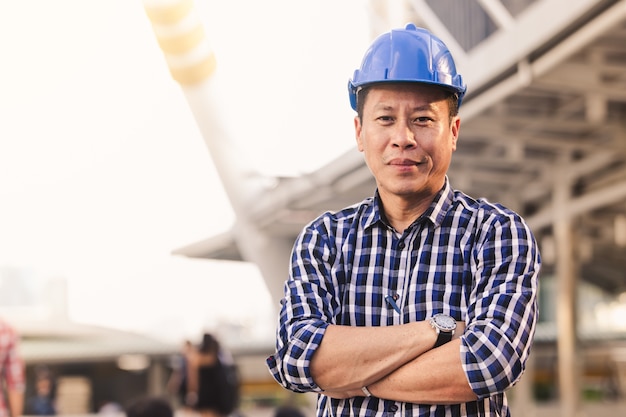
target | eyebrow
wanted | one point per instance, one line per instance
(383, 106)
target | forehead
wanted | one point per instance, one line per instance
(418, 92)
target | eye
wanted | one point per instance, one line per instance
(422, 120)
(385, 119)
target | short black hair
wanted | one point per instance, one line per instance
(150, 407)
(288, 411)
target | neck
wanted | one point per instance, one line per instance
(401, 212)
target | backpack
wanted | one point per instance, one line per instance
(229, 385)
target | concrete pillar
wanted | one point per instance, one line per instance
(523, 401)
(566, 276)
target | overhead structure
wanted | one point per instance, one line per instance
(546, 87)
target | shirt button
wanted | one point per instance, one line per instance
(401, 245)
(393, 408)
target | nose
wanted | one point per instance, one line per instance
(404, 137)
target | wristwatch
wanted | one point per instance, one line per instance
(444, 325)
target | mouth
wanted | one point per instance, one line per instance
(404, 162)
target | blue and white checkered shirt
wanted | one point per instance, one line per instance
(471, 259)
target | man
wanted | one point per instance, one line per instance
(419, 301)
(12, 371)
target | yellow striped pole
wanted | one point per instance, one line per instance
(182, 39)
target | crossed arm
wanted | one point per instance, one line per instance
(398, 362)
(394, 362)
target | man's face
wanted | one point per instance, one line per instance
(407, 137)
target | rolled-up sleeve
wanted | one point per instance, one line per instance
(502, 311)
(291, 363)
(306, 311)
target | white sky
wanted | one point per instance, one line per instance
(103, 171)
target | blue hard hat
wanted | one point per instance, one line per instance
(410, 55)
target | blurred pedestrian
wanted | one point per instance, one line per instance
(212, 386)
(287, 410)
(177, 383)
(11, 372)
(150, 407)
(42, 402)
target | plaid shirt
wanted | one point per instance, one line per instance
(11, 363)
(471, 259)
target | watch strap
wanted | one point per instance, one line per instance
(443, 338)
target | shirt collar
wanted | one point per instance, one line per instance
(440, 205)
(436, 212)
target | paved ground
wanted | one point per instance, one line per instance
(542, 410)
(613, 409)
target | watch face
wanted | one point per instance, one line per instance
(444, 322)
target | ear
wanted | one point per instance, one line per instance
(454, 131)
(358, 128)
